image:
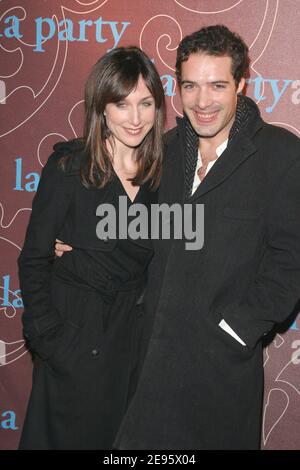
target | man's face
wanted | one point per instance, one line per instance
(209, 95)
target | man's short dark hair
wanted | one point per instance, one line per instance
(215, 40)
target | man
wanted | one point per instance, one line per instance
(201, 385)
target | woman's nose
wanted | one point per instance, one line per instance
(135, 116)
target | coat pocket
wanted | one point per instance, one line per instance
(66, 351)
(70, 301)
(227, 342)
(66, 344)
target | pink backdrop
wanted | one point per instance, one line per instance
(44, 65)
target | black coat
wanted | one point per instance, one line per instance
(199, 387)
(81, 320)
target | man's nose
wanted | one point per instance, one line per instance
(204, 98)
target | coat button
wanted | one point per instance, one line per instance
(106, 240)
(95, 352)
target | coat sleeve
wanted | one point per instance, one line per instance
(276, 289)
(50, 205)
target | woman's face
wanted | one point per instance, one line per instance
(130, 120)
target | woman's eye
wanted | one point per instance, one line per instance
(148, 103)
(120, 105)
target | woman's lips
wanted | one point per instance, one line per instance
(134, 131)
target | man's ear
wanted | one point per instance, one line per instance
(241, 85)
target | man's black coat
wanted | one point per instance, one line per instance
(199, 387)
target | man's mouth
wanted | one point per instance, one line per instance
(205, 118)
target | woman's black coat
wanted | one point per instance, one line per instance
(84, 371)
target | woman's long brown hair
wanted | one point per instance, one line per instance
(113, 78)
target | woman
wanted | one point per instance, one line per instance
(82, 315)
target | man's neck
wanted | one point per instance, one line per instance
(208, 147)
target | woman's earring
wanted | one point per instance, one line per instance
(104, 113)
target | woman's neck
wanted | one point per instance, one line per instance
(123, 159)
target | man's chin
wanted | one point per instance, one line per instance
(207, 133)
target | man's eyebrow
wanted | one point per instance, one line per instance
(183, 82)
(188, 81)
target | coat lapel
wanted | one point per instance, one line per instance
(235, 154)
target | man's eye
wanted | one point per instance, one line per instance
(219, 86)
(188, 86)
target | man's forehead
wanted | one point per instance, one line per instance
(202, 64)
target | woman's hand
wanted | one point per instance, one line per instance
(61, 247)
